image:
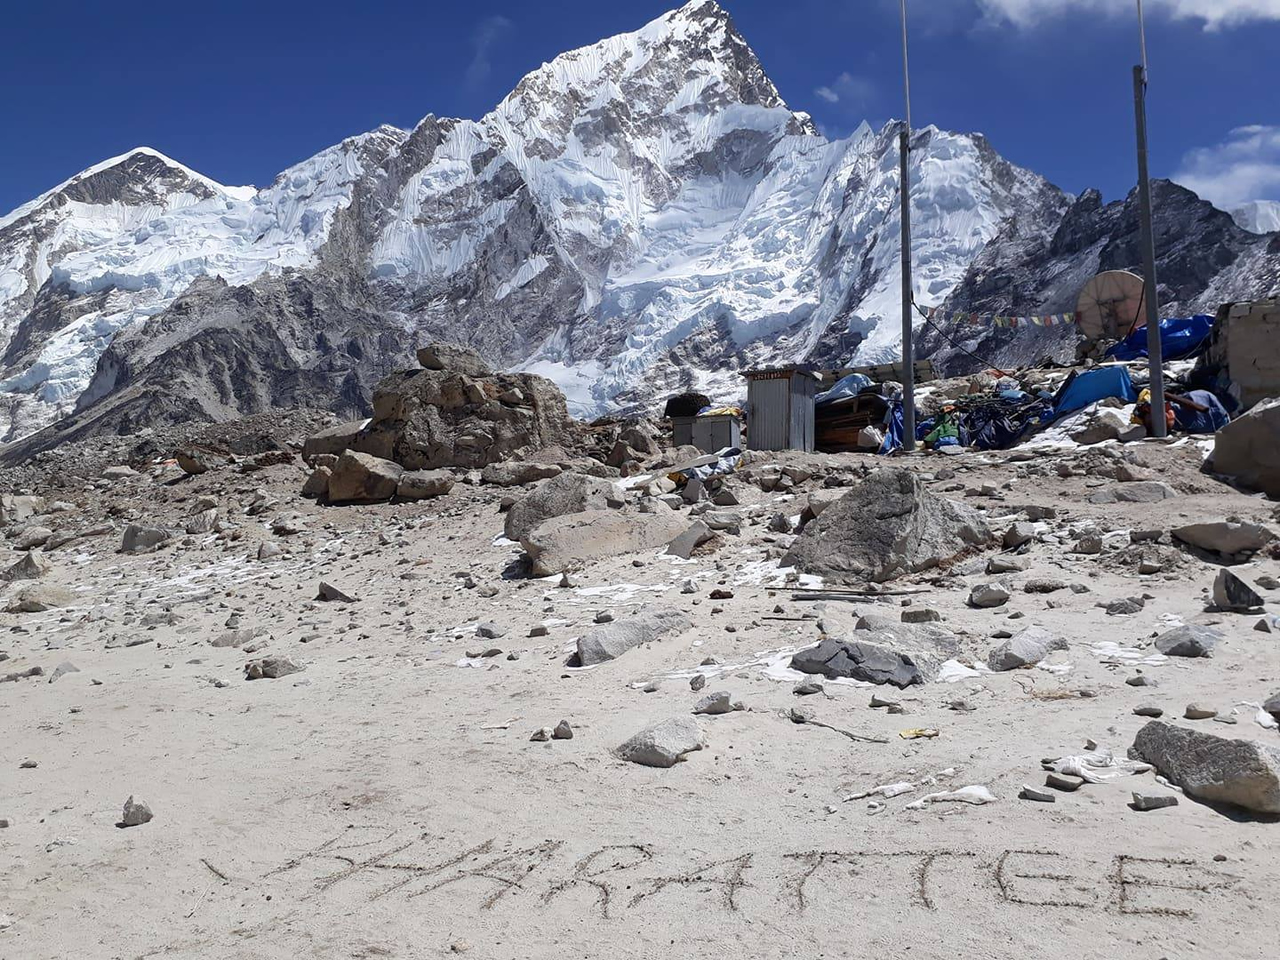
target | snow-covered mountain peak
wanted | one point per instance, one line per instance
(1258, 216)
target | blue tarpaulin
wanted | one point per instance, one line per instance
(843, 389)
(1179, 339)
(1094, 385)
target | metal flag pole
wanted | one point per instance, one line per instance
(1150, 297)
(908, 351)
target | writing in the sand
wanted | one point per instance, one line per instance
(615, 878)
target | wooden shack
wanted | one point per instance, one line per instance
(780, 409)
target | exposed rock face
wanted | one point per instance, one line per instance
(568, 542)
(424, 419)
(561, 495)
(1248, 448)
(860, 660)
(608, 641)
(887, 526)
(1244, 773)
(361, 478)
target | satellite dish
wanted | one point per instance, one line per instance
(1110, 305)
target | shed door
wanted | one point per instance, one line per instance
(770, 414)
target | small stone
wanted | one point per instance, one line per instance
(28, 765)
(541, 735)
(136, 813)
(987, 595)
(1194, 712)
(716, 703)
(328, 592)
(1063, 782)
(1143, 801)
(1018, 534)
(697, 682)
(489, 631)
(1126, 607)
(1035, 793)
(1141, 680)
(1148, 710)
(920, 615)
(1231, 592)
(807, 689)
(539, 631)
(603, 616)
(562, 731)
(1191, 640)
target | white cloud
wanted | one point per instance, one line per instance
(854, 92)
(1214, 14)
(1244, 167)
(487, 33)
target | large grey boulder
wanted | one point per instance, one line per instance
(887, 526)
(361, 478)
(561, 495)
(986, 595)
(1244, 773)
(1026, 647)
(1192, 640)
(569, 542)
(141, 539)
(40, 597)
(931, 637)
(1231, 592)
(17, 508)
(514, 473)
(32, 566)
(426, 419)
(1225, 536)
(1248, 448)
(451, 356)
(696, 534)
(663, 744)
(423, 484)
(859, 659)
(1140, 491)
(333, 440)
(608, 641)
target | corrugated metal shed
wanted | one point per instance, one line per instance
(780, 409)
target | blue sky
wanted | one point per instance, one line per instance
(240, 90)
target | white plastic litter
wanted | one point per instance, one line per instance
(975, 794)
(1260, 716)
(1110, 650)
(887, 790)
(953, 670)
(1099, 766)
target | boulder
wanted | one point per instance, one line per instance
(423, 484)
(1191, 640)
(1243, 773)
(1026, 647)
(33, 536)
(887, 526)
(191, 462)
(608, 641)
(452, 357)
(513, 473)
(333, 440)
(426, 419)
(202, 522)
(1231, 592)
(31, 567)
(859, 660)
(271, 668)
(663, 744)
(1225, 536)
(1141, 491)
(316, 486)
(361, 478)
(1104, 423)
(566, 543)
(1019, 533)
(16, 509)
(714, 704)
(911, 636)
(140, 539)
(683, 545)
(135, 814)
(1248, 448)
(40, 597)
(563, 494)
(988, 595)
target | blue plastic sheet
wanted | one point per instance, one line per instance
(1201, 421)
(1094, 385)
(844, 388)
(893, 428)
(1180, 338)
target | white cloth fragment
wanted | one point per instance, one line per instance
(974, 793)
(1260, 716)
(953, 670)
(1099, 766)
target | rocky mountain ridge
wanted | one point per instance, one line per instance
(638, 216)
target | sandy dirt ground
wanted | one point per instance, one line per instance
(387, 801)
